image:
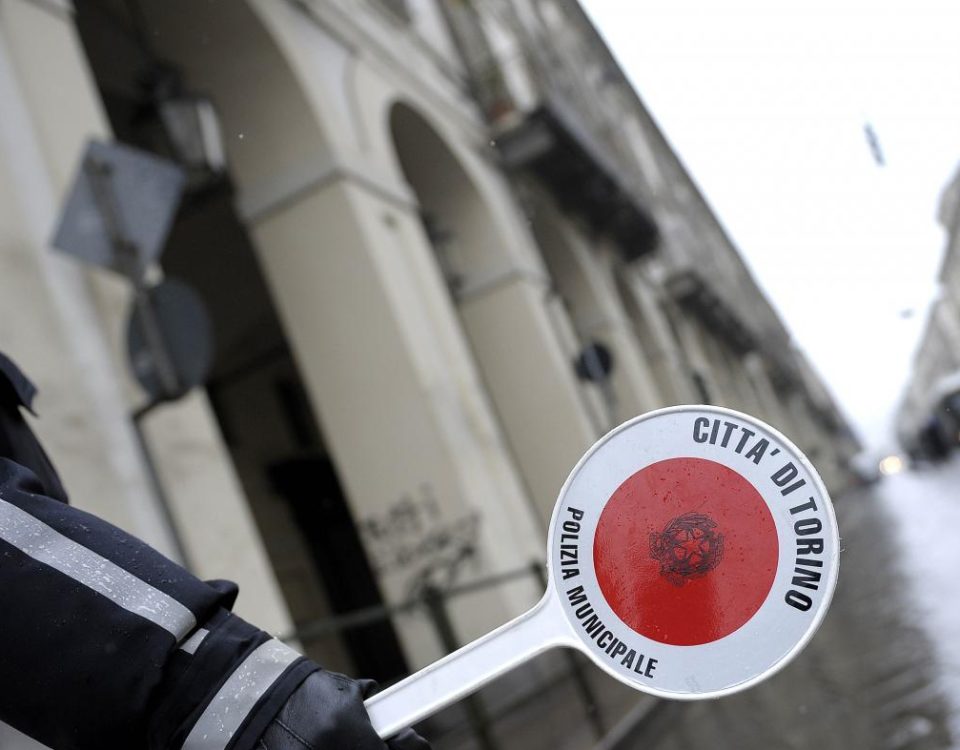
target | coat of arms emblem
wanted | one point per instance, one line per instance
(689, 547)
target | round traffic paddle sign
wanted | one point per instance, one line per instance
(692, 552)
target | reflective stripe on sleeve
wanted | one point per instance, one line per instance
(47, 545)
(193, 642)
(234, 701)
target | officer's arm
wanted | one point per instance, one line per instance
(104, 643)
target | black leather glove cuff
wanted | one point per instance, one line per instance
(326, 713)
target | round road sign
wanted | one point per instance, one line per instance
(170, 325)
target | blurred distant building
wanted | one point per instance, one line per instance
(450, 248)
(928, 420)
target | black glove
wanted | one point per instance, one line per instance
(326, 713)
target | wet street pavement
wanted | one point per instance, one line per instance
(925, 506)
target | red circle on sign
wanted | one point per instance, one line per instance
(685, 551)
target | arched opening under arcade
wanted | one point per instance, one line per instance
(471, 256)
(669, 391)
(145, 56)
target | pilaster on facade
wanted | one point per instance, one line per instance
(79, 354)
(646, 306)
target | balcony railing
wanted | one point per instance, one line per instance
(692, 291)
(546, 121)
(553, 143)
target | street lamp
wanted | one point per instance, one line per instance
(181, 124)
(193, 128)
(188, 123)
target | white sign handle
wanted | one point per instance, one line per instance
(469, 668)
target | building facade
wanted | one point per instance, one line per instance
(449, 249)
(926, 424)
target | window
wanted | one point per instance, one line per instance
(399, 10)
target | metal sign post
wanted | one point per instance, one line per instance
(118, 216)
(120, 194)
(129, 263)
(693, 552)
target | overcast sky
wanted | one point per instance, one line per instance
(766, 103)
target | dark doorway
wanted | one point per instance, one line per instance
(276, 444)
(310, 485)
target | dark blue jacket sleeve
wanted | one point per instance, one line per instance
(105, 643)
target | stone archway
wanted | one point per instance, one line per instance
(499, 291)
(270, 426)
(584, 274)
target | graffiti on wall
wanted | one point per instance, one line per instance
(416, 539)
